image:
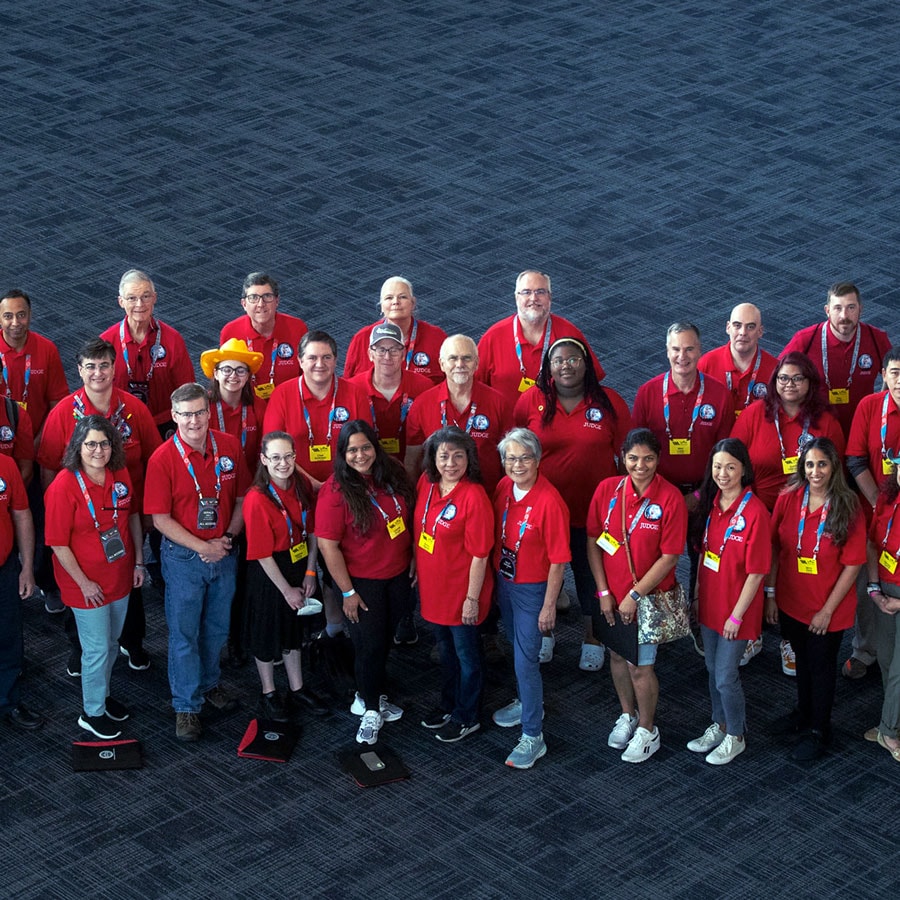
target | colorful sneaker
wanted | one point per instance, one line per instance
(389, 712)
(548, 642)
(369, 727)
(642, 745)
(510, 715)
(527, 752)
(854, 669)
(455, 731)
(753, 648)
(788, 660)
(622, 732)
(730, 747)
(709, 740)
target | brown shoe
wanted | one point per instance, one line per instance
(187, 726)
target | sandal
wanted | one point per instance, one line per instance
(894, 751)
(592, 656)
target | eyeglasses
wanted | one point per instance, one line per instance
(382, 352)
(277, 460)
(790, 379)
(191, 413)
(576, 362)
(144, 298)
(540, 293)
(93, 445)
(96, 367)
(268, 297)
(228, 371)
(526, 460)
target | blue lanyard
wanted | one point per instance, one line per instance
(312, 439)
(287, 518)
(802, 523)
(440, 515)
(731, 524)
(154, 352)
(825, 354)
(612, 506)
(519, 345)
(220, 415)
(697, 403)
(522, 527)
(190, 466)
(90, 503)
(802, 439)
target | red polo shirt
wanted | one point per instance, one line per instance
(265, 524)
(46, 378)
(12, 497)
(16, 440)
(884, 541)
(720, 364)
(244, 423)
(423, 348)
(865, 434)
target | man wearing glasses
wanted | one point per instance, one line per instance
(199, 479)
(390, 387)
(265, 330)
(511, 351)
(151, 357)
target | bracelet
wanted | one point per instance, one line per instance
(769, 591)
(873, 586)
(602, 594)
(139, 566)
(350, 593)
(736, 620)
(874, 590)
(471, 600)
(311, 573)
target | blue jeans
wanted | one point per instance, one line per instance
(460, 649)
(520, 605)
(198, 612)
(723, 659)
(98, 631)
(11, 645)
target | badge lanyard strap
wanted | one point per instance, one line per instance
(287, 518)
(90, 503)
(884, 415)
(6, 376)
(440, 515)
(522, 527)
(312, 439)
(825, 355)
(411, 344)
(154, 352)
(888, 532)
(802, 523)
(612, 506)
(377, 505)
(274, 357)
(469, 421)
(519, 345)
(405, 404)
(220, 415)
(731, 524)
(190, 466)
(697, 402)
(753, 375)
(801, 441)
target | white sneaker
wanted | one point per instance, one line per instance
(788, 659)
(547, 645)
(730, 747)
(753, 648)
(709, 740)
(642, 746)
(369, 727)
(622, 731)
(389, 712)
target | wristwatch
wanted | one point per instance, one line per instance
(634, 595)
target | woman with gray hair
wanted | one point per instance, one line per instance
(531, 549)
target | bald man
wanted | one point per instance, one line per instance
(741, 364)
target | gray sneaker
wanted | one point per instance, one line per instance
(510, 715)
(527, 752)
(187, 726)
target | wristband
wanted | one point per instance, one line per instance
(310, 573)
(139, 566)
(602, 594)
(874, 590)
(769, 591)
(873, 586)
(471, 600)
(736, 620)
(350, 593)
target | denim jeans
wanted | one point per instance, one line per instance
(723, 659)
(520, 606)
(11, 646)
(198, 611)
(99, 631)
(460, 649)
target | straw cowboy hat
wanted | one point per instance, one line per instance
(231, 349)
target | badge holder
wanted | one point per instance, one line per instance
(112, 544)
(207, 513)
(371, 765)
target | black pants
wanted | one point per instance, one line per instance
(817, 665)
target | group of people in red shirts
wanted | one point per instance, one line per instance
(321, 457)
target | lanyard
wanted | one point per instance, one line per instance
(802, 523)
(469, 421)
(220, 414)
(405, 404)
(312, 439)
(731, 524)
(519, 345)
(884, 415)
(90, 503)
(27, 376)
(190, 467)
(287, 519)
(753, 375)
(411, 343)
(522, 526)
(612, 506)
(154, 351)
(825, 355)
(697, 402)
(377, 505)
(274, 356)
(117, 420)
(890, 525)
(440, 515)
(801, 442)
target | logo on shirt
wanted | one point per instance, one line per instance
(707, 412)
(804, 439)
(449, 512)
(740, 525)
(6, 433)
(121, 489)
(865, 361)
(653, 512)
(227, 463)
(157, 352)
(2, 486)
(284, 351)
(124, 429)
(760, 391)
(481, 423)
(593, 414)
(421, 359)
(341, 414)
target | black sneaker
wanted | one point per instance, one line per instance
(406, 631)
(810, 747)
(138, 658)
(455, 731)
(102, 726)
(308, 701)
(116, 711)
(22, 717)
(53, 603)
(271, 707)
(73, 666)
(437, 718)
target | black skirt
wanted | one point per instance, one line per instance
(271, 626)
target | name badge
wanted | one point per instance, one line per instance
(113, 547)
(887, 467)
(396, 527)
(426, 542)
(507, 567)
(525, 383)
(679, 446)
(140, 389)
(608, 543)
(888, 561)
(806, 565)
(390, 445)
(789, 464)
(23, 404)
(207, 513)
(711, 561)
(299, 551)
(320, 452)
(839, 395)
(264, 391)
